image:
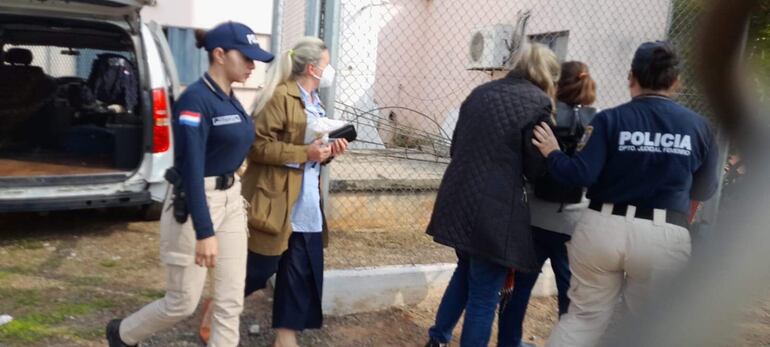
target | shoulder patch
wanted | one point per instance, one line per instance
(589, 129)
(190, 118)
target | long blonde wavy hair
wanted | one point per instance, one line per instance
(539, 65)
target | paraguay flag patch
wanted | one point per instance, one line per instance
(190, 118)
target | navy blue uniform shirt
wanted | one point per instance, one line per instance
(212, 134)
(649, 152)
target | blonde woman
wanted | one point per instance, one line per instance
(286, 223)
(481, 209)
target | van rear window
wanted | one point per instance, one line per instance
(64, 62)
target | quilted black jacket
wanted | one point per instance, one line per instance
(481, 207)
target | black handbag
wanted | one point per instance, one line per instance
(347, 132)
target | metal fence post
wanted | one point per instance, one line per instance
(330, 35)
(277, 27)
(313, 15)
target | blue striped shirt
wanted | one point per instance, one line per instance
(306, 213)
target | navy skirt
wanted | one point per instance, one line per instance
(299, 281)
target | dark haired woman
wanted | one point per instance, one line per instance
(552, 222)
(212, 134)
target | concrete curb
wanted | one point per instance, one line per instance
(369, 289)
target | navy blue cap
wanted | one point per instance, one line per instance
(645, 54)
(233, 35)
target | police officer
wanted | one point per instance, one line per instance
(643, 162)
(212, 134)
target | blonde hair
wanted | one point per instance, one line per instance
(290, 65)
(538, 64)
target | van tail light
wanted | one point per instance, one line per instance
(161, 134)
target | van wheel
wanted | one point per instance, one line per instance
(151, 211)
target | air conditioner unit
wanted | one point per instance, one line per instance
(490, 47)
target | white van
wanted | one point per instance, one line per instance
(85, 96)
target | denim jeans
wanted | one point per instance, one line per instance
(474, 288)
(548, 244)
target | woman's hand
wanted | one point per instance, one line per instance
(544, 139)
(206, 252)
(318, 152)
(339, 147)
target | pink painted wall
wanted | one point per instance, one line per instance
(422, 46)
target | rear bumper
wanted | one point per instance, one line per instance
(76, 203)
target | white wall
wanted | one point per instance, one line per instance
(205, 14)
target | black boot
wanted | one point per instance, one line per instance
(434, 343)
(113, 334)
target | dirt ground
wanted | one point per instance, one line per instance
(64, 275)
(396, 327)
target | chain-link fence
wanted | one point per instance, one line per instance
(405, 66)
(685, 16)
(291, 20)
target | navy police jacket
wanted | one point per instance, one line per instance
(212, 134)
(649, 152)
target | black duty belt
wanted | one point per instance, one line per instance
(225, 181)
(672, 217)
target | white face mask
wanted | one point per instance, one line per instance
(327, 77)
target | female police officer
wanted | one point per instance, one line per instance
(212, 134)
(643, 162)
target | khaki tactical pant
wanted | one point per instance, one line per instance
(185, 280)
(610, 256)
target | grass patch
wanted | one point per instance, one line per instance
(52, 263)
(108, 263)
(25, 330)
(91, 334)
(17, 270)
(38, 326)
(30, 244)
(88, 281)
(21, 297)
(152, 294)
(102, 303)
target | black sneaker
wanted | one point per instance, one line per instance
(113, 334)
(434, 343)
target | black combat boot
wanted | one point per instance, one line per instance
(113, 334)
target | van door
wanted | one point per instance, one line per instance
(164, 82)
